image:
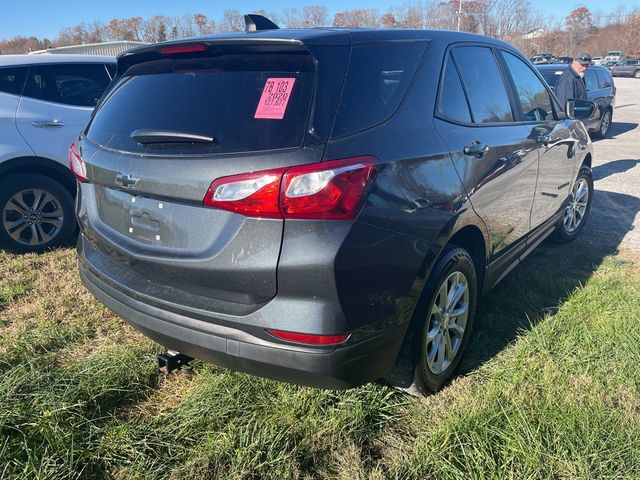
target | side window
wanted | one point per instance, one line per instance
(12, 79)
(73, 84)
(534, 97)
(591, 80)
(452, 103)
(377, 80)
(604, 78)
(484, 85)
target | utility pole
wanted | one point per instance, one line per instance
(459, 14)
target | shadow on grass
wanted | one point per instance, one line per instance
(540, 284)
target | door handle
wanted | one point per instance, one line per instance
(47, 123)
(477, 149)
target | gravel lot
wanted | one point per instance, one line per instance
(615, 213)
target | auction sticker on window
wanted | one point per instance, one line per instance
(274, 98)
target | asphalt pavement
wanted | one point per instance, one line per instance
(614, 223)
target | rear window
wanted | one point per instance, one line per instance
(245, 102)
(377, 80)
(551, 76)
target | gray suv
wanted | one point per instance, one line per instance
(323, 206)
(45, 101)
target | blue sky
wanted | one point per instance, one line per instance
(45, 18)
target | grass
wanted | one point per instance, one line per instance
(550, 390)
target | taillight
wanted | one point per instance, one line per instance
(334, 190)
(309, 339)
(177, 49)
(77, 165)
(251, 194)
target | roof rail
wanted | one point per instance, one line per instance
(255, 23)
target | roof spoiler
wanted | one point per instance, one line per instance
(256, 23)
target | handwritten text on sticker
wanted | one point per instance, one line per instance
(274, 98)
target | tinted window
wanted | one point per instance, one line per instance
(534, 97)
(12, 79)
(484, 85)
(377, 80)
(551, 76)
(79, 84)
(221, 97)
(453, 102)
(604, 78)
(591, 80)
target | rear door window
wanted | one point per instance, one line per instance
(12, 79)
(452, 103)
(80, 85)
(534, 97)
(377, 80)
(484, 84)
(604, 78)
(591, 80)
(244, 101)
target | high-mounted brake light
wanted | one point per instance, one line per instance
(334, 190)
(77, 165)
(309, 339)
(176, 49)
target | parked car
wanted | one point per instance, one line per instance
(600, 89)
(628, 68)
(614, 56)
(323, 206)
(45, 101)
(609, 64)
(596, 60)
(539, 59)
(562, 60)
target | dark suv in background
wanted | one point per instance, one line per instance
(600, 89)
(323, 206)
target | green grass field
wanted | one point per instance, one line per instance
(549, 389)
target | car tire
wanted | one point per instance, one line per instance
(576, 212)
(36, 214)
(440, 340)
(605, 124)
(637, 74)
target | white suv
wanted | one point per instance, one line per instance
(45, 101)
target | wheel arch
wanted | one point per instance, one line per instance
(40, 166)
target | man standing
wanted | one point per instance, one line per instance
(571, 84)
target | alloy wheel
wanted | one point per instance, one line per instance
(447, 322)
(575, 212)
(605, 122)
(33, 217)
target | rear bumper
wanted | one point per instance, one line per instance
(239, 349)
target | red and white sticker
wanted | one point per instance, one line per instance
(275, 98)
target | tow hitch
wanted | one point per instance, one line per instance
(172, 360)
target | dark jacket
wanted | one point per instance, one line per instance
(570, 86)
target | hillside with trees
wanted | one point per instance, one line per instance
(515, 21)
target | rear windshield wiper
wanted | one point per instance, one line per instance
(147, 137)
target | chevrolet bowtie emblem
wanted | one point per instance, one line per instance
(127, 181)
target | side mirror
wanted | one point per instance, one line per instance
(580, 109)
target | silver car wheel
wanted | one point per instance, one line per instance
(575, 212)
(33, 217)
(605, 123)
(447, 322)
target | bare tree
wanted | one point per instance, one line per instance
(232, 21)
(357, 18)
(315, 16)
(292, 18)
